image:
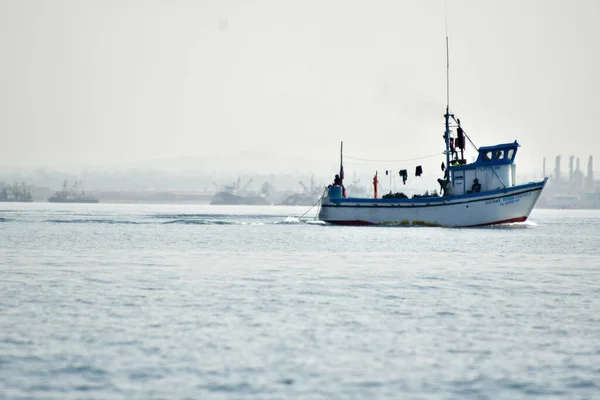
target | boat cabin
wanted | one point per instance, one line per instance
(493, 169)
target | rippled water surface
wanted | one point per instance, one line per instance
(206, 302)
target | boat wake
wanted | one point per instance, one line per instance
(191, 219)
(92, 221)
(210, 222)
(297, 220)
(208, 216)
(315, 222)
(514, 225)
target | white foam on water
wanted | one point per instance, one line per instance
(315, 222)
(290, 220)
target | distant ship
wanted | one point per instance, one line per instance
(583, 201)
(72, 195)
(17, 192)
(305, 198)
(233, 195)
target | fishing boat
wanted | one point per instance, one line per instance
(75, 194)
(480, 193)
(234, 195)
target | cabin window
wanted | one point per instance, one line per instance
(499, 155)
(487, 156)
(511, 154)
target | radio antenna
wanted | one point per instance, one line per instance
(447, 62)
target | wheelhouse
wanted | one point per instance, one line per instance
(493, 169)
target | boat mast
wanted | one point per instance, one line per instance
(447, 115)
(342, 162)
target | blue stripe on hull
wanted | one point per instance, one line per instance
(434, 201)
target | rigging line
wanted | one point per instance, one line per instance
(320, 202)
(394, 161)
(470, 141)
(477, 149)
(311, 207)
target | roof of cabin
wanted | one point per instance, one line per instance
(498, 146)
(506, 156)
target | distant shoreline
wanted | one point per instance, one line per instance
(143, 197)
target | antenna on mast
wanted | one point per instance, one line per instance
(447, 74)
(447, 61)
(448, 176)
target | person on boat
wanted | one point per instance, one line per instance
(337, 180)
(375, 184)
(442, 183)
(453, 151)
(446, 187)
(476, 188)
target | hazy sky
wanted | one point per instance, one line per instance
(112, 82)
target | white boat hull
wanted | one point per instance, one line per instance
(501, 206)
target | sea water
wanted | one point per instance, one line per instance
(102, 301)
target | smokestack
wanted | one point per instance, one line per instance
(571, 169)
(557, 176)
(577, 164)
(544, 168)
(589, 181)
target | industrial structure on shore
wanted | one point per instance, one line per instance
(575, 190)
(17, 192)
